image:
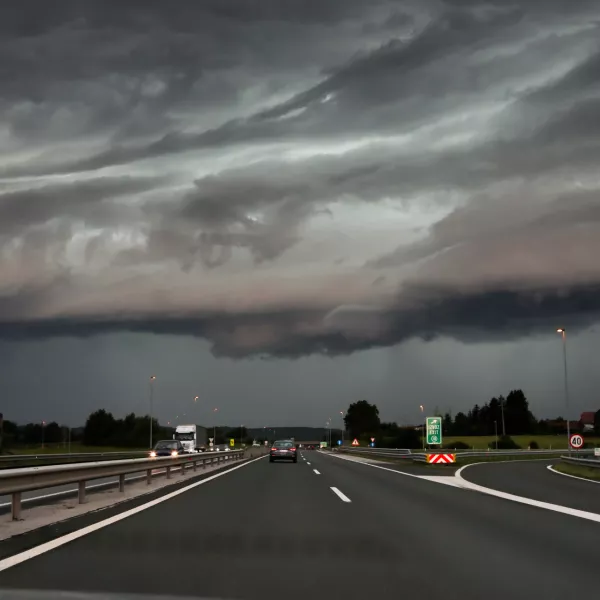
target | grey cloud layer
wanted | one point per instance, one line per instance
(154, 106)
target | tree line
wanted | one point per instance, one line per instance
(504, 416)
(102, 428)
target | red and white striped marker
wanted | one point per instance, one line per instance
(441, 459)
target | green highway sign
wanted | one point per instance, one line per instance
(434, 430)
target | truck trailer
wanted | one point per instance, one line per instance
(192, 437)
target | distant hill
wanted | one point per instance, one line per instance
(298, 433)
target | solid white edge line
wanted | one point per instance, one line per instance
(16, 559)
(316, 472)
(341, 496)
(551, 468)
(467, 485)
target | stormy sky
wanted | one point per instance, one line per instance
(283, 206)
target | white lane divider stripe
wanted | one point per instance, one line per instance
(16, 559)
(467, 485)
(308, 464)
(340, 495)
(316, 472)
(551, 468)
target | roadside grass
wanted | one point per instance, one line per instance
(578, 471)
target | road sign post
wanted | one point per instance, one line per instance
(434, 431)
(576, 441)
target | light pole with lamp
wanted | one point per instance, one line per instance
(563, 334)
(343, 425)
(496, 432)
(424, 424)
(215, 427)
(152, 379)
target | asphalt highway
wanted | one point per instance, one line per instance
(533, 479)
(333, 528)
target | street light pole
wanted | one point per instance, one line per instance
(215, 428)
(424, 424)
(496, 431)
(502, 411)
(152, 378)
(343, 426)
(563, 333)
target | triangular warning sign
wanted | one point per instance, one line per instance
(355, 442)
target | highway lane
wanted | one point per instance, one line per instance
(532, 479)
(279, 530)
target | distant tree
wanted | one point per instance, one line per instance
(32, 433)
(52, 433)
(461, 424)
(100, 429)
(517, 415)
(447, 425)
(238, 433)
(362, 419)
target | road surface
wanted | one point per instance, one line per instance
(280, 530)
(533, 479)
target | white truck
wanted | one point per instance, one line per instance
(192, 437)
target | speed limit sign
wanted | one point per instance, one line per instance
(576, 441)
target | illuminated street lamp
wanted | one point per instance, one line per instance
(563, 333)
(152, 379)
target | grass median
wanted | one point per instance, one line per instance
(578, 471)
(544, 442)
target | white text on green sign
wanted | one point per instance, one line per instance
(434, 430)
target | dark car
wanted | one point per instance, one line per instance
(283, 450)
(168, 448)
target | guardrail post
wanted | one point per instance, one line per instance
(182, 469)
(195, 463)
(204, 463)
(168, 472)
(149, 476)
(16, 506)
(122, 483)
(81, 494)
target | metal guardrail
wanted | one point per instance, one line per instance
(422, 456)
(13, 460)
(16, 458)
(19, 480)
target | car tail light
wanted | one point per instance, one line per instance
(292, 449)
(273, 449)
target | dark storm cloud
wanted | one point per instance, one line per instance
(79, 199)
(367, 85)
(213, 135)
(426, 312)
